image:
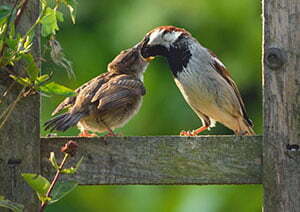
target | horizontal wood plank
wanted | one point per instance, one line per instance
(161, 160)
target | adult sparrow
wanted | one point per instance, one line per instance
(201, 77)
(108, 101)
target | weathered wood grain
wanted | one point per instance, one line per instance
(20, 136)
(281, 106)
(162, 160)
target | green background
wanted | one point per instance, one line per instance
(230, 28)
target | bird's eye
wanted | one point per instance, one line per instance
(146, 39)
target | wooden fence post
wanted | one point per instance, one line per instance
(281, 154)
(20, 136)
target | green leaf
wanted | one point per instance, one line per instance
(4, 11)
(59, 16)
(12, 43)
(21, 80)
(15, 207)
(28, 41)
(61, 189)
(72, 170)
(53, 160)
(32, 69)
(38, 183)
(43, 198)
(49, 21)
(1, 197)
(56, 89)
(41, 80)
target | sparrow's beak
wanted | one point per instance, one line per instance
(143, 45)
(148, 59)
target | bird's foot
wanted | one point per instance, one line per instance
(85, 133)
(112, 134)
(194, 132)
(187, 133)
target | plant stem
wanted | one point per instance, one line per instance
(54, 181)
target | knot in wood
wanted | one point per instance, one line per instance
(14, 162)
(275, 58)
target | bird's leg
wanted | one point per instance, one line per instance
(194, 132)
(110, 132)
(85, 133)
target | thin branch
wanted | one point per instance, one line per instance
(54, 181)
(7, 91)
(6, 113)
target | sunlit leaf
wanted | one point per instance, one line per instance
(72, 170)
(57, 89)
(12, 43)
(43, 197)
(15, 207)
(32, 69)
(59, 16)
(61, 189)
(38, 183)
(28, 41)
(49, 21)
(42, 79)
(53, 161)
(21, 80)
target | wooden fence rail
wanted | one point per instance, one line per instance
(163, 160)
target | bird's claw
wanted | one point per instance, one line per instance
(187, 133)
(112, 134)
(87, 134)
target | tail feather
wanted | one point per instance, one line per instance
(63, 122)
(246, 127)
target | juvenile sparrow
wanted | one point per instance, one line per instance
(201, 77)
(108, 101)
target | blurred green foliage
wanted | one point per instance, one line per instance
(231, 28)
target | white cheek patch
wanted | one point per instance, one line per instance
(172, 37)
(158, 38)
(155, 37)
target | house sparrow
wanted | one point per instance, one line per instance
(201, 77)
(108, 101)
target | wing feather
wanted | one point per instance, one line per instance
(88, 87)
(122, 90)
(221, 69)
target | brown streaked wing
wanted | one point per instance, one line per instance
(70, 101)
(121, 90)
